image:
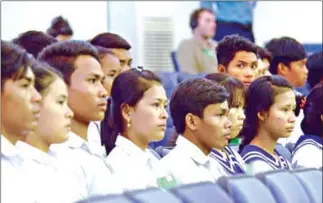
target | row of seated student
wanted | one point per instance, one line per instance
(59, 108)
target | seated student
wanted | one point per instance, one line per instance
(79, 63)
(137, 116)
(197, 55)
(269, 116)
(229, 159)
(308, 149)
(20, 107)
(263, 61)
(60, 29)
(237, 56)
(315, 68)
(199, 110)
(34, 41)
(289, 61)
(119, 46)
(53, 127)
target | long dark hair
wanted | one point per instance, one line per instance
(260, 96)
(127, 88)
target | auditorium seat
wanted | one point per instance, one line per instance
(284, 186)
(108, 199)
(205, 192)
(246, 189)
(162, 151)
(311, 180)
(169, 81)
(153, 195)
(283, 151)
(177, 68)
(165, 140)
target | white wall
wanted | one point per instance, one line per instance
(87, 18)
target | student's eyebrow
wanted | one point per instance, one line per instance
(28, 79)
(243, 62)
(96, 76)
(112, 71)
(63, 96)
(161, 100)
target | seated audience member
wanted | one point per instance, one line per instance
(34, 41)
(137, 116)
(237, 56)
(197, 55)
(230, 160)
(20, 107)
(269, 116)
(308, 149)
(199, 111)
(263, 61)
(289, 61)
(79, 63)
(60, 29)
(53, 127)
(119, 46)
(315, 69)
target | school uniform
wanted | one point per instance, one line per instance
(307, 152)
(190, 165)
(136, 168)
(258, 160)
(55, 182)
(94, 137)
(92, 169)
(15, 185)
(232, 163)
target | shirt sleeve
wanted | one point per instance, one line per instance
(307, 157)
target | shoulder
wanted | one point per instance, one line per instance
(258, 166)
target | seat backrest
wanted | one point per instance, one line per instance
(284, 186)
(175, 62)
(246, 189)
(109, 199)
(311, 180)
(284, 152)
(166, 139)
(153, 195)
(205, 192)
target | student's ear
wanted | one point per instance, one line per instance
(282, 69)
(322, 118)
(221, 68)
(262, 115)
(126, 111)
(192, 121)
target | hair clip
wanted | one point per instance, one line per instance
(140, 68)
(303, 102)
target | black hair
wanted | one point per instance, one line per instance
(34, 41)
(62, 55)
(284, 50)
(127, 88)
(193, 96)
(230, 45)
(45, 75)
(194, 18)
(264, 54)
(235, 88)
(313, 110)
(59, 26)
(14, 62)
(110, 41)
(260, 97)
(314, 65)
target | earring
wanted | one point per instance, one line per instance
(128, 124)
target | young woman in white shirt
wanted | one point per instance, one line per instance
(269, 116)
(137, 116)
(229, 158)
(20, 107)
(307, 151)
(199, 111)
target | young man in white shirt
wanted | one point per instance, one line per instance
(199, 110)
(79, 63)
(20, 107)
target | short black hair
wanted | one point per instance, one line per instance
(62, 55)
(110, 41)
(264, 54)
(230, 45)
(194, 18)
(59, 26)
(14, 62)
(193, 96)
(314, 65)
(34, 41)
(284, 50)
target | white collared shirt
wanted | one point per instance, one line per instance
(92, 168)
(189, 164)
(135, 168)
(52, 178)
(94, 136)
(15, 187)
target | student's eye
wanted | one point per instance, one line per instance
(156, 105)
(165, 106)
(254, 66)
(61, 102)
(130, 63)
(240, 65)
(25, 85)
(92, 80)
(285, 110)
(111, 74)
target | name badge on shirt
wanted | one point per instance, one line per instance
(167, 182)
(209, 52)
